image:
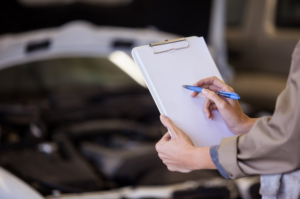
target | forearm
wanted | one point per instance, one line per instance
(272, 143)
(207, 157)
(248, 124)
(202, 159)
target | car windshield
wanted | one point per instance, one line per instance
(56, 76)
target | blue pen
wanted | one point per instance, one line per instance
(221, 93)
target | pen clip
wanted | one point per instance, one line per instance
(230, 93)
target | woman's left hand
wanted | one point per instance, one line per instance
(178, 153)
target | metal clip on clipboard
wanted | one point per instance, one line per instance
(168, 42)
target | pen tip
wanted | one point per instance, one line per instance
(185, 86)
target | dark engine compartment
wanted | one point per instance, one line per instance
(80, 137)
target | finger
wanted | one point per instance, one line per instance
(214, 81)
(184, 171)
(168, 162)
(165, 155)
(206, 107)
(210, 87)
(160, 143)
(172, 167)
(166, 158)
(211, 108)
(167, 137)
(194, 94)
(169, 125)
(210, 81)
(219, 102)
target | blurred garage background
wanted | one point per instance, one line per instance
(76, 119)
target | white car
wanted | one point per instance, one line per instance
(112, 46)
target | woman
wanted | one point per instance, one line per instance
(268, 145)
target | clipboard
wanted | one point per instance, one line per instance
(168, 65)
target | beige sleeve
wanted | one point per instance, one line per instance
(273, 143)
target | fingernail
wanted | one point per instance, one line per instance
(162, 117)
(204, 91)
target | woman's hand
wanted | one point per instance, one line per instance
(230, 109)
(178, 153)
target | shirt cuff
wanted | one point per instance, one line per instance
(228, 151)
(215, 158)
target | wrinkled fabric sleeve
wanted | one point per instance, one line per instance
(215, 158)
(273, 143)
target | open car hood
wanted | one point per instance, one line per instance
(75, 39)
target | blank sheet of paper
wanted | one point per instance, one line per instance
(165, 73)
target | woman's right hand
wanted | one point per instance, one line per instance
(230, 109)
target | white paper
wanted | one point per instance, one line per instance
(165, 73)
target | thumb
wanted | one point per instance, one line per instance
(220, 103)
(169, 125)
